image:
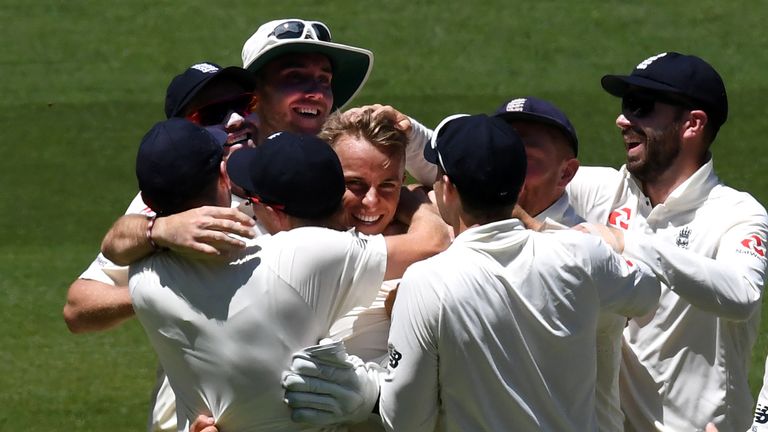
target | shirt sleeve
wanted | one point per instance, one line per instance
(424, 172)
(105, 271)
(625, 287)
(409, 391)
(592, 191)
(728, 285)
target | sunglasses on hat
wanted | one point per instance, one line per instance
(299, 29)
(641, 105)
(216, 112)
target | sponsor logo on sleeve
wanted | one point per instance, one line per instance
(394, 356)
(620, 218)
(754, 245)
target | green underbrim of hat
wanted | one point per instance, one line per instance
(351, 65)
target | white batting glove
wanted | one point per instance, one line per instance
(329, 387)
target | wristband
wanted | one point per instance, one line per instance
(150, 225)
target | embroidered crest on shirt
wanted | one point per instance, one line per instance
(683, 237)
(754, 244)
(620, 218)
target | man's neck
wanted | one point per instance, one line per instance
(658, 188)
(536, 201)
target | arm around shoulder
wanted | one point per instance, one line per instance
(427, 235)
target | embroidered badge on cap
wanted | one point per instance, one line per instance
(205, 67)
(516, 105)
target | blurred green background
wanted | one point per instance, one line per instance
(81, 81)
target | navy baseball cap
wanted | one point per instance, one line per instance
(540, 111)
(177, 161)
(297, 173)
(679, 74)
(186, 85)
(483, 156)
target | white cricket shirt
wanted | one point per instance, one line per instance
(498, 332)
(610, 326)
(686, 363)
(224, 332)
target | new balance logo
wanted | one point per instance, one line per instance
(761, 414)
(394, 356)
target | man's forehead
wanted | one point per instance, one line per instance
(302, 60)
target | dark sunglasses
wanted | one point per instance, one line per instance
(641, 105)
(216, 112)
(297, 29)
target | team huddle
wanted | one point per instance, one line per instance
(289, 279)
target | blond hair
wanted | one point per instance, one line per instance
(379, 130)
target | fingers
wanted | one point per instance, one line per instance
(313, 417)
(203, 424)
(205, 230)
(400, 120)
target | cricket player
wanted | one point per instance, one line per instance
(685, 363)
(223, 330)
(211, 96)
(551, 147)
(496, 317)
(293, 95)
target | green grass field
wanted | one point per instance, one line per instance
(81, 81)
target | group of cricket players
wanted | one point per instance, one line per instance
(290, 279)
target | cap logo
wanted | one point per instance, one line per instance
(516, 105)
(647, 62)
(205, 67)
(274, 135)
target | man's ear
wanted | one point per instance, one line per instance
(568, 172)
(449, 190)
(694, 127)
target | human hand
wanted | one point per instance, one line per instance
(613, 236)
(203, 231)
(710, 428)
(326, 388)
(402, 122)
(203, 424)
(529, 221)
(413, 199)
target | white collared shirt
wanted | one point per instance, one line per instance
(224, 332)
(610, 418)
(686, 363)
(498, 332)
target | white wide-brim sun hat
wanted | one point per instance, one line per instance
(351, 65)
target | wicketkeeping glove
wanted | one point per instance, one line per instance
(326, 387)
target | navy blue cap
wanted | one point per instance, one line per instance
(483, 156)
(299, 173)
(540, 111)
(684, 75)
(186, 85)
(176, 162)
